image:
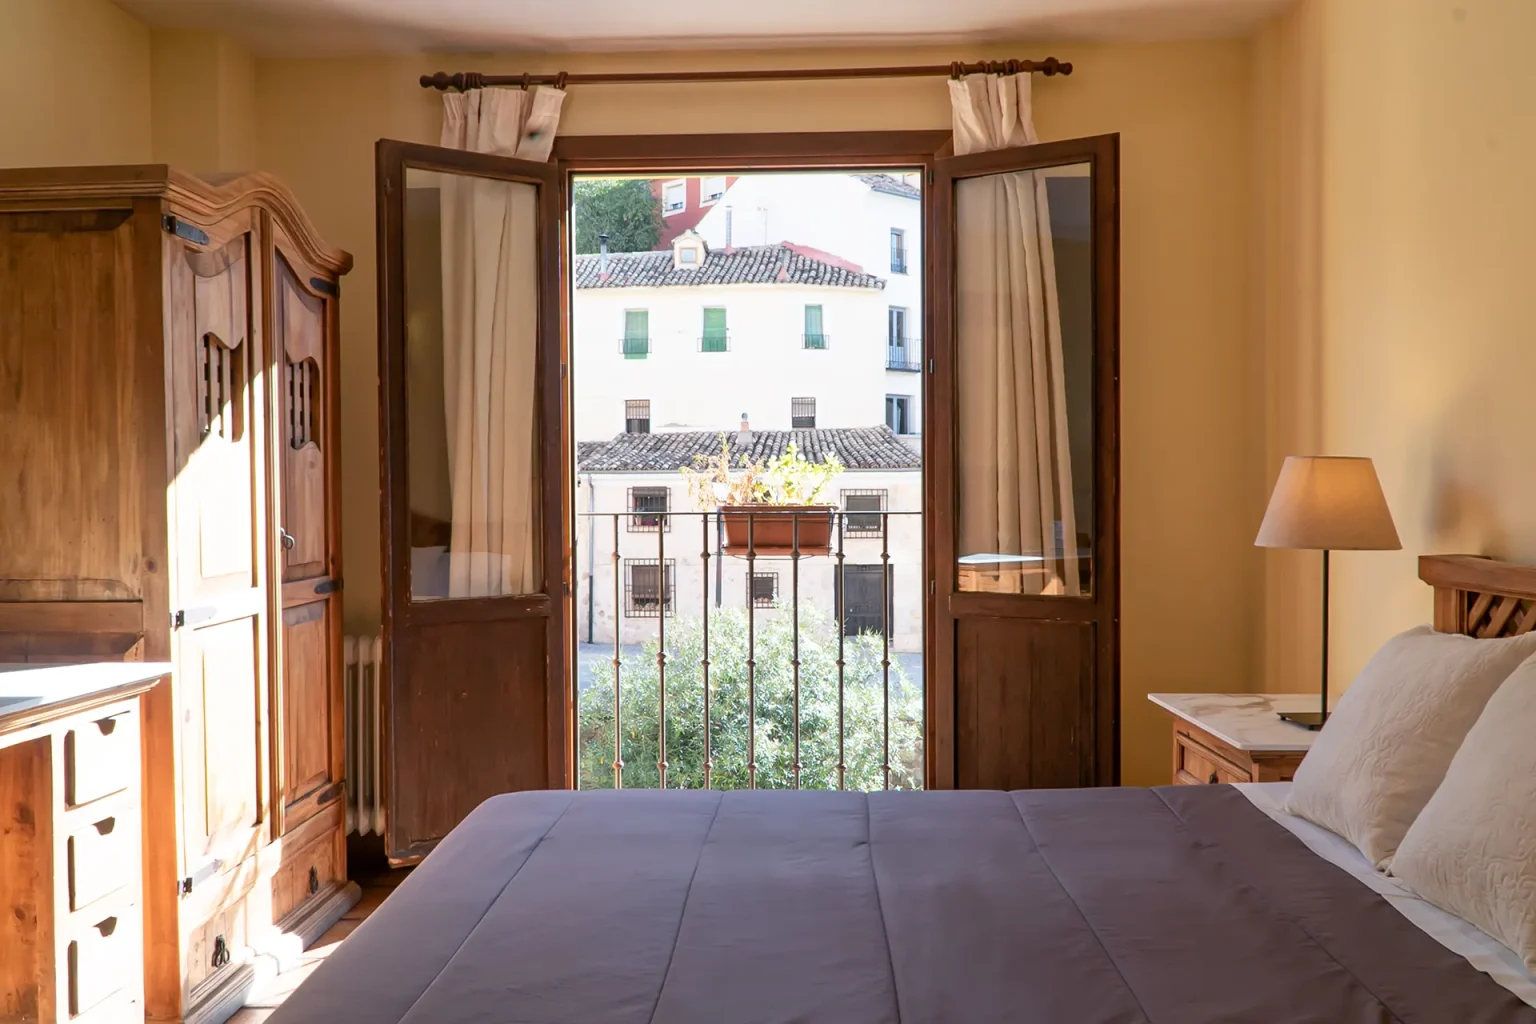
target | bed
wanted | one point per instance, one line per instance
(1174, 905)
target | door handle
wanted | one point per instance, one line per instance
(286, 539)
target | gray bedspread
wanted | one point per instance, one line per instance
(1181, 905)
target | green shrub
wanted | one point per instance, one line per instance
(773, 684)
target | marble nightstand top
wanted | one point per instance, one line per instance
(1248, 721)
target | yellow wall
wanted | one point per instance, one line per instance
(78, 84)
(1191, 581)
(1424, 129)
(204, 89)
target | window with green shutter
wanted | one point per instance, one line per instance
(715, 337)
(637, 333)
(814, 338)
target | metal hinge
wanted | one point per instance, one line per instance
(181, 229)
(320, 284)
(202, 874)
(191, 616)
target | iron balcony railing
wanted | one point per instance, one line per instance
(903, 356)
(635, 347)
(707, 677)
(715, 341)
(817, 340)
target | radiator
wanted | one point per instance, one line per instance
(364, 657)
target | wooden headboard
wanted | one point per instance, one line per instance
(1479, 596)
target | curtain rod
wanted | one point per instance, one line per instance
(466, 80)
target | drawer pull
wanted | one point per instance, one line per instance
(1212, 780)
(221, 955)
(314, 881)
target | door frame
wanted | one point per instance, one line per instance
(768, 151)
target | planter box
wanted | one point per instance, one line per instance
(773, 529)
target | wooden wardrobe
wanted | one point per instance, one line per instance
(168, 491)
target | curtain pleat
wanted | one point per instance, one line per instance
(1015, 467)
(490, 342)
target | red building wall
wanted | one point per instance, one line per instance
(691, 213)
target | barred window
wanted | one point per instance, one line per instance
(650, 588)
(802, 413)
(637, 416)
(763, 590)
(649, 506)
(863, 507)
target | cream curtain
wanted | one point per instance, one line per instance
(490, 342)
(1015, 467)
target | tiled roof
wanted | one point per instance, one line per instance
(890, 186)
(857, 447)
(750, 264)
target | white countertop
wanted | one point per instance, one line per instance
(1247, 721)
(24, 686)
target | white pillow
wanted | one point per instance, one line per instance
(1472, 851)
(1377, 762)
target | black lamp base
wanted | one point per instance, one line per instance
(1306, 719)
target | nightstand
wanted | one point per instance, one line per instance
(1235, 737)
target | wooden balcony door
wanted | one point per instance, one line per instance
(473, 485)
(1023, 466)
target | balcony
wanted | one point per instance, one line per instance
(899, 262)
(903, 356)
(635, 347)
(699, 668)
(715, 342)
(816, 341)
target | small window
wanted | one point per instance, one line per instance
(637, 416)
(637, 333)
(711, 189)
(688, 254)
(896, 327)
(814, 336)
(863, 508)
(674, 197)
(649, 588)
(898, 251)
(648, 507)
(802, 413)
(764, 590)
(716, 338)
(898, 409)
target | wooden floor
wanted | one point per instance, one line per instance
(263, 1003)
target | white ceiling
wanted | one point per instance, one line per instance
(298, 27)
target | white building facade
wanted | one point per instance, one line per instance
(878, 226)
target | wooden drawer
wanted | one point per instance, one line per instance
(311, 870)
(104, 960)
(1196, 765)
(103, 857)
(101, 757)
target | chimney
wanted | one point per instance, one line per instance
(744, 436)
(602, 260)
(728, 226)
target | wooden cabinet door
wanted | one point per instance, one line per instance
(219, 548)
(305, 435)
(474, 486)
(1023, 482)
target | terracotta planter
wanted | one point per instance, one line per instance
(773, 529)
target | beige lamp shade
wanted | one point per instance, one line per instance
(1328, 503)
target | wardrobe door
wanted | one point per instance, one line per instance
(304, 344)
(219, 547)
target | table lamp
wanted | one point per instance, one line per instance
(1326, 503)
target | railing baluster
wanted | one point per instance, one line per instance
(751, 660)
(885, 640)
(704, 663)
(618, 617)
(842, 599)
(794, 611)
(661, 653)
